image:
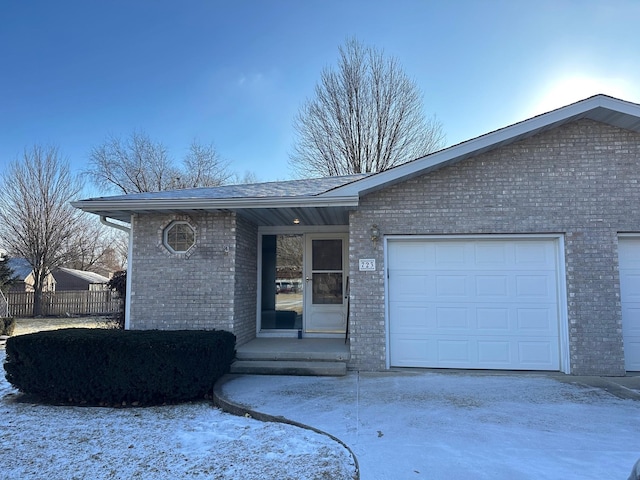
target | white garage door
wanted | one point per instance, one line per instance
(629, 257)
(474, 303)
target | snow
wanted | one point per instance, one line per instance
(181, 441)
(459, 425)
(400, 425)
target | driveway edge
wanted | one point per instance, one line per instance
(227, 405)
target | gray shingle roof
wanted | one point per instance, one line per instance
(288, 188)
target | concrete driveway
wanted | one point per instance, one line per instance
(461, 425)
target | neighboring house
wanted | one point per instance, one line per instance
(24, 272)
(71, 279)
(517, 250)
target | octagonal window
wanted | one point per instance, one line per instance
(179, 237)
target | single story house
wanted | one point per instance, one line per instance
(23, 271)
(516, 250)
(71, 279)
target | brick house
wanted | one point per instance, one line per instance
(517, 250)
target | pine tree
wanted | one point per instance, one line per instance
(7, 277)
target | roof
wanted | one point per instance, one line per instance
(21, 267)
(327, 201)
(89, 277)
(271, 203)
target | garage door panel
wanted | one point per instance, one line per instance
(452, 318)
(537, 354)
(539, 287)
(413, 257)
(451, 286)
(413, 318)
(631, 315)
(484, 304)
(454, 352)
(417, 351)
(492, 286)
(486, 353)
(497, 319)
(629, 267)
(411, 286)
(632, 355)
(449, 256)
(493, 319)
(630, 285)
(534, 254)
(537, 318)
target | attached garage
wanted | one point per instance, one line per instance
(629, 267)
(469, 302)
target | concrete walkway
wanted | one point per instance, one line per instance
(461, 425)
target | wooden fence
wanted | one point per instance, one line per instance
(82, 302)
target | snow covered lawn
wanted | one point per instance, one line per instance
(184, 441)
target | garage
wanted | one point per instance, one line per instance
(629, 259)
(474, 303)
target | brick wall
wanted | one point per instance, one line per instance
(246, 253)
(579, 180)
(183, 291)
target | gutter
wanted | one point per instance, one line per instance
(104, 221)
(215, 204)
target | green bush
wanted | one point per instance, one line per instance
(7, 325)
(118, 367)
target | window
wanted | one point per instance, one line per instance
(179, 237)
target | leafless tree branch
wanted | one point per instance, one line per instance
(366, 116)
(36, 219)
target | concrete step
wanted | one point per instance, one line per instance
(296, 356)
(289, 367)
(318, 349)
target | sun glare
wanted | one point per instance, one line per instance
(566, 90)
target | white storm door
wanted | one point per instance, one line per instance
(325, 282)
(629, 260)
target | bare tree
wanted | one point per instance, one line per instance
(139, 164)
(202, 167)
(36, 219)
(95, 248)
(367, 116)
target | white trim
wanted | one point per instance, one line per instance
(127, 305)
(561, 278)
(153, 204)
(165, 236)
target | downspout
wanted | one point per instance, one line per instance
(104, 221)
(127, 302)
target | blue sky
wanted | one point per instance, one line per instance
(235, 72)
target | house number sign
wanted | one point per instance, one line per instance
(367, 264)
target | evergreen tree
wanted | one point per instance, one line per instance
(7, 277)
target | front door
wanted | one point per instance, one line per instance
(324, 283)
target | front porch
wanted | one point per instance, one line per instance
(292, 356)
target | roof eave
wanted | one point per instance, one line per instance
(101, 205)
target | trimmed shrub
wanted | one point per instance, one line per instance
(118, 367)
(7, 325)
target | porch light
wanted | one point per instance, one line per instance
(375, 233)
(296, 221)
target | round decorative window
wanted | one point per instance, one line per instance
(179, 237)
